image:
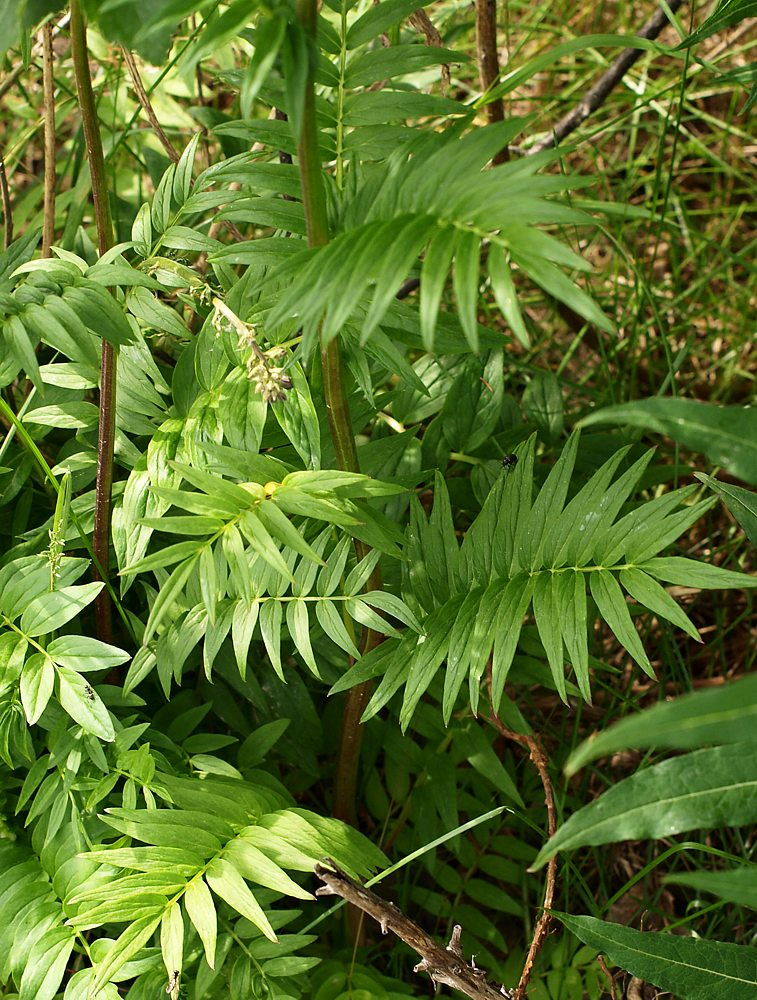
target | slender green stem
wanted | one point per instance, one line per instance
(104, 226)
(338, 411)
(17, 427)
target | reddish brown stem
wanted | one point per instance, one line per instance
(488, 63)
(539, 759)
(7, 211)
(48, 87)
(104, 226)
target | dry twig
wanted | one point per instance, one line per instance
(608, 975)
(165, 142)
(446, 966)
(420, 20)
(539, 758)
(147, 107)
(598, 94)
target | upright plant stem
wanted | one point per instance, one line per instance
(48, 87)
(338, 411)
(104, 226)
(488, 62)
(7, 211)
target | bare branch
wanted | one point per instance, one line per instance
(598, 94)
(144, 100)
(420, 20)
(446, 966)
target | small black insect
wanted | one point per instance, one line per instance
(510, 461)
(89, 692)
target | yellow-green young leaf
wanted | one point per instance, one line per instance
(465, 280)
(234, 551)
(51, 611)
(172, 940)
(260, 539)
(227, 883)
(46, 964)
(299, 628)
(141, 231)
(331, 622)
(270, 629)
(692, 969)
(12, 653)
(282, 529)
(198, 902)
(243, 622)
(37, 681)
(436, 265)
(128, 944)
(361, 613)
(83, 704)
(83, 653)
(298, 419)
(208, 581)
(182, 179)
(252, 864)
(504, 293)
(167, 594)
(79, 987)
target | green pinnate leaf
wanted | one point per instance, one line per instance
(612, 606)
(226, 882)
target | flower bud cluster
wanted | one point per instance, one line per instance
(270, 380)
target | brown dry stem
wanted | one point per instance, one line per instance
(147, 107)
(423, 23)
(596, 96)
(539, 758)
(445, 966)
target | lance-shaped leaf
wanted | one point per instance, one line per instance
(720, 715)
(227, 883)
(701, 790)
(198, 902)
(690, 968)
